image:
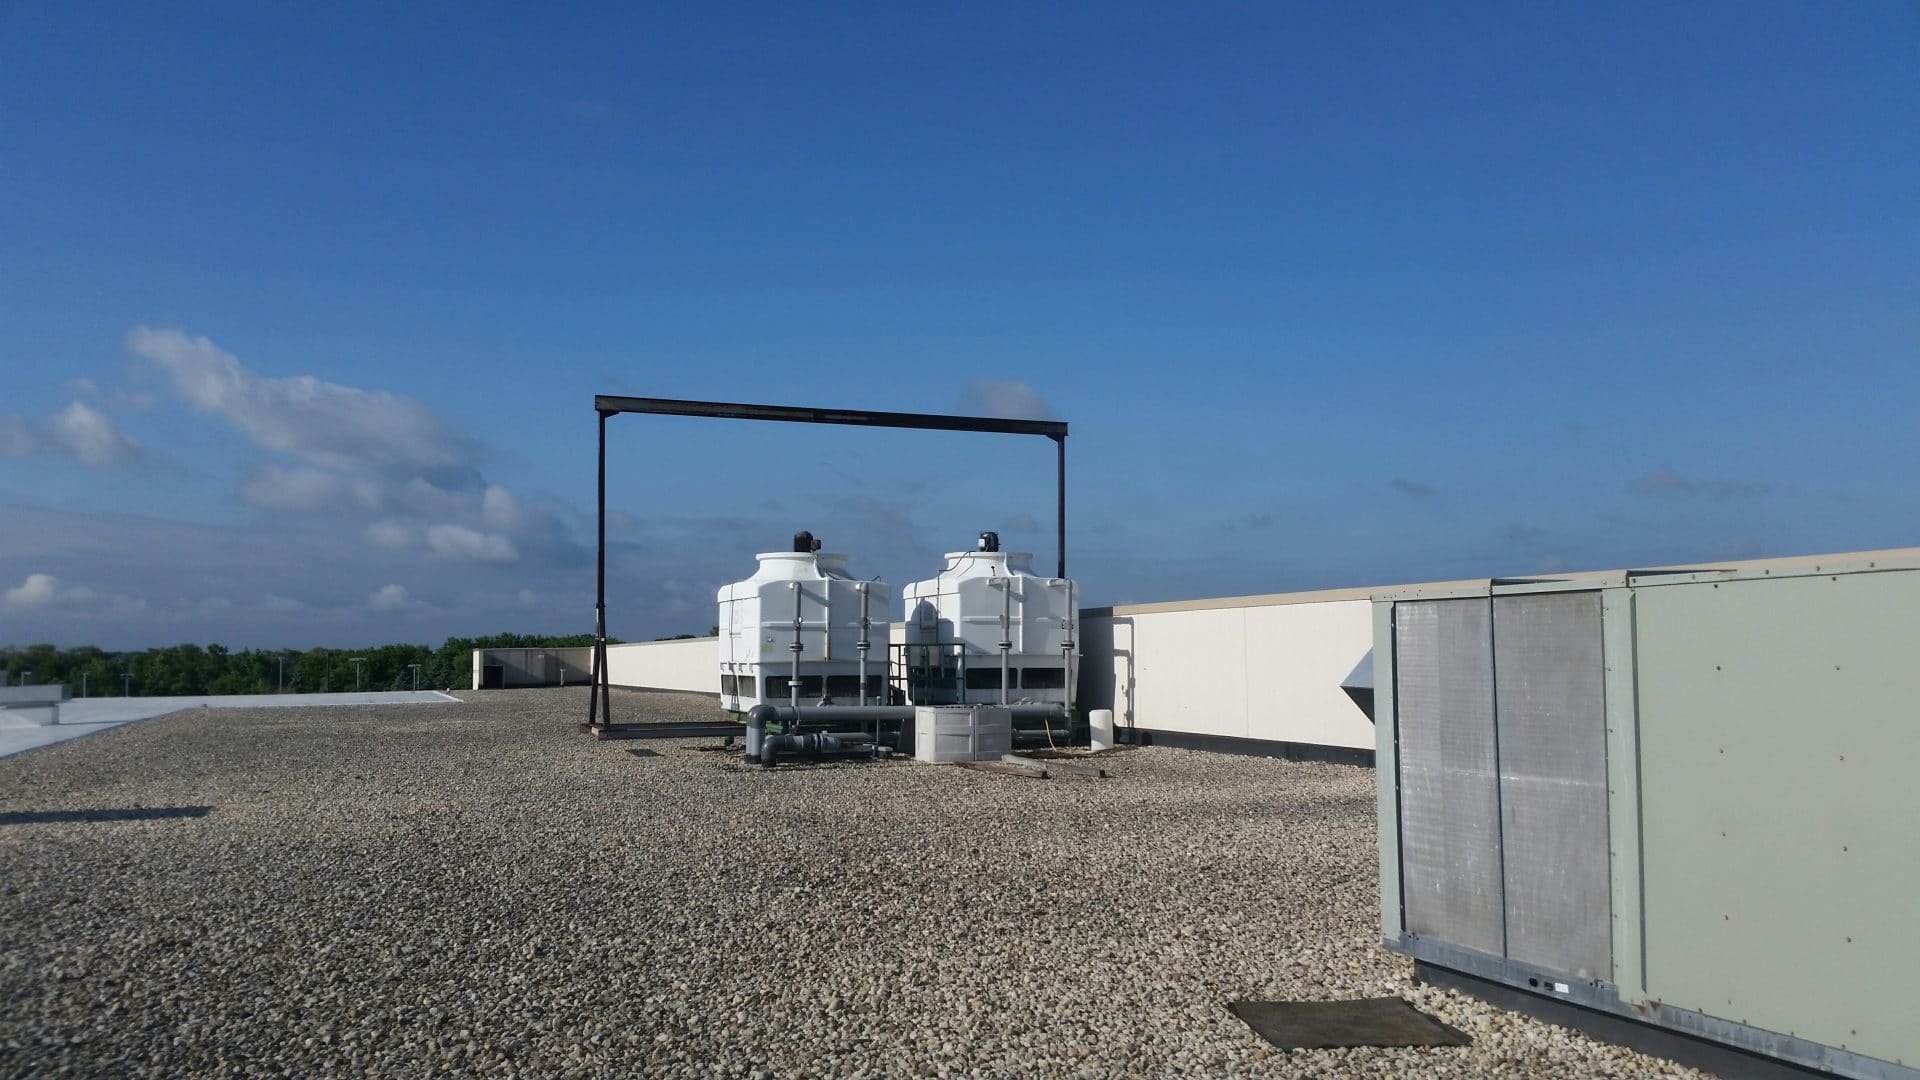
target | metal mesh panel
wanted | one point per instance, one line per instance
(1449, 793)
(1550, 698)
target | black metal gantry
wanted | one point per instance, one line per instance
(599, 700)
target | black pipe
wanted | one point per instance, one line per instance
(1060, 490)
(789, 714)
(757, 718)
(799, 714)
(599, 697)
(764, 749)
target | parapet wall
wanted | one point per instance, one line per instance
(1261, 668)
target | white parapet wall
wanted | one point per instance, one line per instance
(1266, 668)
(31, 706)
(1261, 668)
(686, 664)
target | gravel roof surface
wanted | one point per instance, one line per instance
(481, 888)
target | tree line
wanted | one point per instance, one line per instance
(215, 669)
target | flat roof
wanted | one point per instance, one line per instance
(378, 889)
(86, 716)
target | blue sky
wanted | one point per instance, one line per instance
(302, 308)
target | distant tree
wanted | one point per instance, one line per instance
(189, 669)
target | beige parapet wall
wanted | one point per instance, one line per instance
(686, 664)
(1247, 667)
(1244, 667)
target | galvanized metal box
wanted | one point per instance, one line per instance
(948, 733)
(1683, 796)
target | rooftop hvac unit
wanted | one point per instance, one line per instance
(1684, 797)
(802, 630)
(987, 630)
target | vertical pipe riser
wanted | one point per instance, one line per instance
(1060, 509)
(793, 681)
(599, 697)
(865, 626)
(1006, 633)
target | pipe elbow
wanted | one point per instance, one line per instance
(757, 719)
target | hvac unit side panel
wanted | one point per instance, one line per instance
(1386, 762)
(1623, 793)
(1779, 731)
(1550, 702)
(1449, 791)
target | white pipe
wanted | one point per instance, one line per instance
(793, 679)
(1006, 632)
(864, 644)
(1066, 651)
(1100, 729)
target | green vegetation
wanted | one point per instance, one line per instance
(191, 669)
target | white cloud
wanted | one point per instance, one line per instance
(88, 434)
(368, 454)
(44, 592)
(529, 598)
(38, 590)
(389, 598)
(79, 431)
(327, 424)
(118, 397)
(423, 498)
(392, 535)
(304, 488)
(281, 604)
(1011, 400)
(446, 540)
(499, 509)
(459, 542)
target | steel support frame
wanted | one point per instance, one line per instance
(599, 697)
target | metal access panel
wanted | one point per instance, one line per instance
(1451, 877)
(1780, 737)
(1550, 704)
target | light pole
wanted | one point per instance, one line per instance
(83, 683)
(283, 673)
(416, 677)
(23, 677)
(126, 683)
(359, 666)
